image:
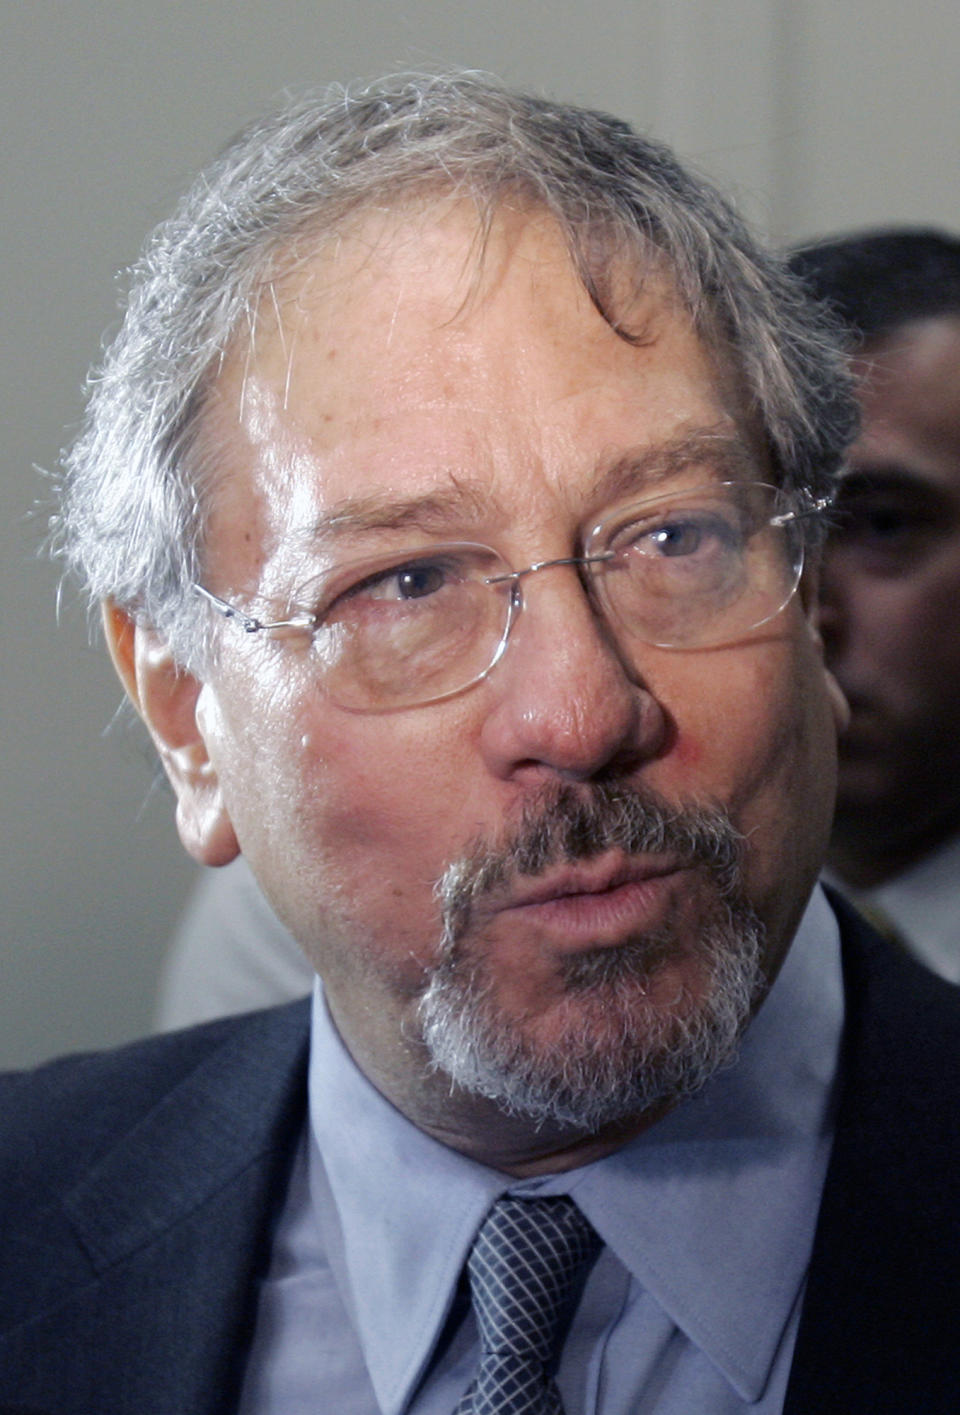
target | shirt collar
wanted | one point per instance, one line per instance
(712, 1210)
(921, 903)
(408, 1208)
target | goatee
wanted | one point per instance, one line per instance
(617, 1051)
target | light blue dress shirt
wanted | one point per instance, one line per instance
(707, 1221)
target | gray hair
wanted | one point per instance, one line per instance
(133, 500)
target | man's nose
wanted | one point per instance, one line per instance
(565, 699)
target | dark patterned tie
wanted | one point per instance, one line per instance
(526, 1267)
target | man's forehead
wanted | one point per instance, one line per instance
(380, 384)
(437, 261)
(910, 393)
(918, 360)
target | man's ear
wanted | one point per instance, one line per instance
(166, 695)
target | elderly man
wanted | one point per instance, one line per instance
(453, 494)
(891, 585)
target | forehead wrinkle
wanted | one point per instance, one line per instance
(430, 511)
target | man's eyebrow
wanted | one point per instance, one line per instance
(637, 472)
(869, 477)
(432, 511)
(721, 455)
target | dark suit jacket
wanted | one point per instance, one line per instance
(138, 1190)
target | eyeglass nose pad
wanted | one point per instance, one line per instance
(516, 605)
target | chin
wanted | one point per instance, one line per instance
(631, 1029)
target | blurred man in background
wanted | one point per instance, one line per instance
(891, 584)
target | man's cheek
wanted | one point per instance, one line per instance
(688, 750)
(759, 754)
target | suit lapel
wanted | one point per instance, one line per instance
(878, 1329)
(175, 1222)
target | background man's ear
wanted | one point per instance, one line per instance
(165, 695)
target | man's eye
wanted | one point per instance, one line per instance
(677, 538)
(879, 523)
(681, 536)
(409, 582)
(870, 521)
(398, 584)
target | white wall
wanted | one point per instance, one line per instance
(820, 113)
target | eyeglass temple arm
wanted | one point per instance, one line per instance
(230, 611)
(247, 622)
(816, 508)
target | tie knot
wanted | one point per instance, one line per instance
(526, 1268)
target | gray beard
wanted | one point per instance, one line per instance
(621, 1053)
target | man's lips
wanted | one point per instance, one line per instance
(595, 902)
(590, 877)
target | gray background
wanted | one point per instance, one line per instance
(819, 114)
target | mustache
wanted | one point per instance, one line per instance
(563, 825)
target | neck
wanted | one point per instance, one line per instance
(524, 1151)
(474, 1126)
